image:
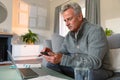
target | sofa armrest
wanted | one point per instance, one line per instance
(114, 41)
(48, 43)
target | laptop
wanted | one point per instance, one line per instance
(25, 73)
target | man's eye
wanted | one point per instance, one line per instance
(69, 19)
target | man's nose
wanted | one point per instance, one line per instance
(67, 23)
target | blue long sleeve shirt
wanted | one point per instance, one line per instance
(87, 50)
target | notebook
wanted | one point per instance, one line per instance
(25, 73)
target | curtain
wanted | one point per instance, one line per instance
(56, 19)
(92, 13)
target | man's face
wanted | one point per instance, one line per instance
(72, 20)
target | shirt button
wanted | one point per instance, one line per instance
(85, 78)
(76, 54)
(78, 46)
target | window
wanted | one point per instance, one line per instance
(63, 30)
(20, 13)
(37, 17)
(29, 15)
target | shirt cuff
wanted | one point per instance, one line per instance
(64, 60)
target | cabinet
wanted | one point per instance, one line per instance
(25, 51)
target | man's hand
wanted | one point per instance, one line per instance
(53, 58)
(46, 49)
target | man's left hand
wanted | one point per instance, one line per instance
(53, 58)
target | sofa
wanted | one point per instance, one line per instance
(114, 43)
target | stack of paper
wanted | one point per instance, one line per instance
(28, 65)
(47, 77)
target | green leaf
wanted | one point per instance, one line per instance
(108, 32)
(30, 37)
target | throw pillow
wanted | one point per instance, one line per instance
(114, 59)
(47, 43)
(57, 41)
(113, 41)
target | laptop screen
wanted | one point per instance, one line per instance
(14, 67)
(24, 73)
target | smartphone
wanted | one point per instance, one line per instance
(44, 53)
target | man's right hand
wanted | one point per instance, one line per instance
(46, 49)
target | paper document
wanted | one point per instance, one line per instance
(47, 77)
(28, 65)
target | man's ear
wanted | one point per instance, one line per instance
(80, 16)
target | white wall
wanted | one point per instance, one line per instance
(43, 32)
(110, 14)
(109, 10)
(7, 24)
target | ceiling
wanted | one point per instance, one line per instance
(50, 0)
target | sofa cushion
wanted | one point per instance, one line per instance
(114, 60)
(114, 44)
(57, 41)
(116, 76)
(48, 43)
(114, 41)
(54, 44)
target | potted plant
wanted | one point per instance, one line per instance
(30, 37)
(108, 32)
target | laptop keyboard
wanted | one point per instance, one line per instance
(28, 73)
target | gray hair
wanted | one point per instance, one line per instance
(75, 6)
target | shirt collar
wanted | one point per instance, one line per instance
(80, 30)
